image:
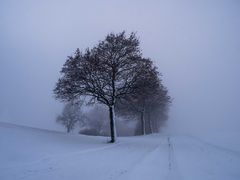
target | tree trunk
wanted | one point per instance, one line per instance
(68, 129)
(150, 123)
(143, 123)
(112, 124)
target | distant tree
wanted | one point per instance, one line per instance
(70, 116)
(157, 109)
(108, 72)
(149, 98)
(95, 121)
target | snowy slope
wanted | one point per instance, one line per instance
(28, 153)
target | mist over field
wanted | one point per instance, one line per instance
(195, 44)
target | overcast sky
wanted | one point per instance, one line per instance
(195, 44)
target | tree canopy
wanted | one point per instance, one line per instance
(111, 71)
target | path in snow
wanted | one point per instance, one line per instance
(36, 154)
(174, 173)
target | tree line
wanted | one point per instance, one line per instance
(115, 74)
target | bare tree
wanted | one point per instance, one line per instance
(71, 114)
(149, 97)
(108, 72)
(95, 121)
(157, 109)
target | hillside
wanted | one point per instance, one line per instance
(28, 153)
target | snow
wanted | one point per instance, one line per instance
(28, 153)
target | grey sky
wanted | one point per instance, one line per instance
(196, 45)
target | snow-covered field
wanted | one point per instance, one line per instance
(33, 154)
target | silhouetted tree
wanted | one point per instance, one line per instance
(108, 72)
(157, 109)
(149, 98)
(71, 114)
(95, 122)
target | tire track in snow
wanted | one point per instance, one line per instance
(146, 166)
(170, 154)
(173, 171)
(158, 163)
(125, 174)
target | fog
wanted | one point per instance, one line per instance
(195, 44)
